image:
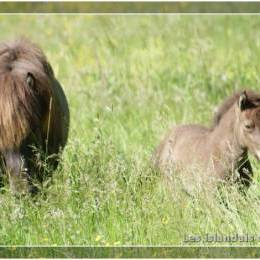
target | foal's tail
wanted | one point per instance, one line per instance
(163, 154)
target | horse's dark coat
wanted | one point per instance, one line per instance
(33, 112)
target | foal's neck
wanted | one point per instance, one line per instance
(226, 136)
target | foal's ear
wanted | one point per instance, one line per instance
(243, 101)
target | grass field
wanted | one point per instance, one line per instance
(128, 79)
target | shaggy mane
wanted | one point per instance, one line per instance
(21, 107)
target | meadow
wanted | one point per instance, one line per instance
(128, 79)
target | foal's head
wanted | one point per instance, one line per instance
(248, 118)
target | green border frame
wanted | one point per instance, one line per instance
(129, 252)
(116, 7)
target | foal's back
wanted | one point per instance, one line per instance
(184, 150)
(184, 144)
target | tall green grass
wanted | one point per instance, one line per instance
(128, 79)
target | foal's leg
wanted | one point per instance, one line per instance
(246, 173)
(16, 168)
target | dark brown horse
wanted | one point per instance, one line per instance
(207, 155)
(34, 113)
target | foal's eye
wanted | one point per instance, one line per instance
(249, 126)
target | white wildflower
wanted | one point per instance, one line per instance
(56, 213)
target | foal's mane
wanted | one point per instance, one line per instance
(224, 107)
(229, 102)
